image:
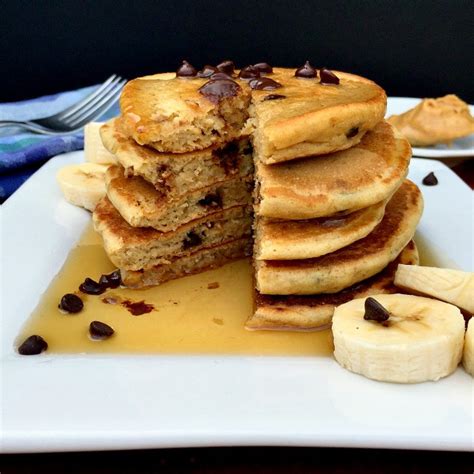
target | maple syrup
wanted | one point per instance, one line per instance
(199, 314)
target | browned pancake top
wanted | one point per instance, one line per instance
(382, 281)
(381, 157)
(405, 201)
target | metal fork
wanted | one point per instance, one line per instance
(77, 115)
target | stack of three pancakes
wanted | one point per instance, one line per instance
(331, 228)
(168, 215)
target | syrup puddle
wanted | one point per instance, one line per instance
(191, 315)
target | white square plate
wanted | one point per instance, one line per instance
(56, 403)
(463, 147)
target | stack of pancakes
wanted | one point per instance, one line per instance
(172, 207)
(334, 213)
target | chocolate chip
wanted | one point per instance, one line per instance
(328, 77)
(71, 303)
(264, 84)
(228, 157)
(220, 75)
(33, 345)
(249, 72)
(352, 132)
(112, 280)
(211, 200)
(264, 68)
(191, 240)
(99, 330)
(306, 71)
(374, 311)
(274, 97)
(207, 71)
(186, 70)
(430, 180)
(215, 91)
(91, 287)
(226, 66)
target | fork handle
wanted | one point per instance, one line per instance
(33, 127)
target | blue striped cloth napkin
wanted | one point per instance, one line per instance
(22, 153)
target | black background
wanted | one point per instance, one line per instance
(412, 48)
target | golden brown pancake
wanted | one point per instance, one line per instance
(343, 181)
(137, 248)
(171, 115)
(338, 270)
(175, 174)
(199, 261)
(286, 240)
(313, 312)
(309, 118)
(141, 205)
(313, 118)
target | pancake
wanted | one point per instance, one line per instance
(313, 118)
(172, 174)
(338, 270)
(136, 248)
(141, 205)
(347, 180)
(197, 262)
(170, 114)
(285, 240)
(313, 312)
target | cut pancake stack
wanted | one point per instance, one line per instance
(170, 213)
(331, 226)
(334, 213)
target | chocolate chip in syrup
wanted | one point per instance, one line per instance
(226, 66)
(207, 71)
(352, 132)
(374, 311)
(430, 180)
(112, 280)
(215, 91)
(274, 97)
(71, 303)
(328, 77)
(137, 308)
(191, 240)
(249, 72)
(264, 84)
(33, 345)
(91, 287)
(211, 200)
(264, 68)
(306, 71)
(99, 330)
(186, 70)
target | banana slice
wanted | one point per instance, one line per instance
(422, 339)
(94, 150)
(452, 286)
(83, 185)
(468, 354)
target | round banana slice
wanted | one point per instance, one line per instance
(83, 185)
(468, 354)
(421, 340)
